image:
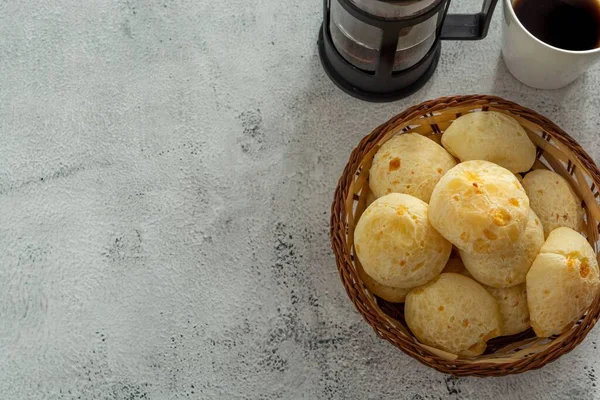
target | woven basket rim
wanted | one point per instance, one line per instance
(384, 325)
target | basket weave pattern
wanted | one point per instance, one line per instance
(555, 150)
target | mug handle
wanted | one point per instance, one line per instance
(469, 26)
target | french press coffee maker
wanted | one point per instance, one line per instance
(383, 50)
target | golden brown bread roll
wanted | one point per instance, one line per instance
(453, 313)
(509, 266)
(397, 245)
(490, 136)
(553, 200)
(480, 207)
(512, 303)
(388, 293)
(562, 282)
(398, 295)
(409, 163)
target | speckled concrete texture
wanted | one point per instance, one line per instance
(166, 173)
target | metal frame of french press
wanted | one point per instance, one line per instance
(385, 84)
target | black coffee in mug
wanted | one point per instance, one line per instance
(566, 24)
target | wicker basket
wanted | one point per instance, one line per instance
(555, 150)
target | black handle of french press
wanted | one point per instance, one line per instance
(469, 26)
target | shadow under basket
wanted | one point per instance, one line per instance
(556, 151)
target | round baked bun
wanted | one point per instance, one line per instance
(512, 303)
(453, 313)
(388, 293)
(553, 200)
(397, 245)
(562, 282)
(508, 266)
(398, 295)
(480, 207)
(409, 163)
(490, 136)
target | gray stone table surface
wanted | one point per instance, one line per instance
(166, 173)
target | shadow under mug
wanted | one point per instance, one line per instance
(536, 63)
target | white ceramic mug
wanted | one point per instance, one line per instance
(536, 63)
